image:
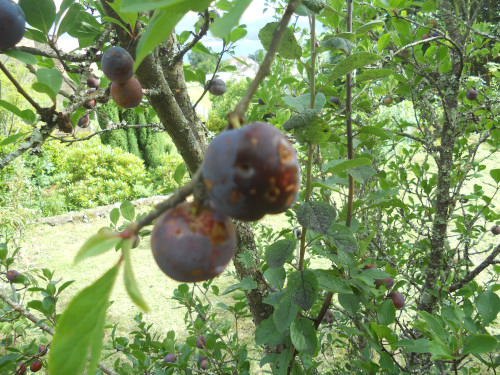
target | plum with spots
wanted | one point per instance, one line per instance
(12, 24)
(117, 64)
(193, 243)
(251, 171)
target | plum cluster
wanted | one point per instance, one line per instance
(397, 298)
(251, 171)
(192, 243)
(118, 66)
(12, 24)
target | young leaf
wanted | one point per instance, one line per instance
(495, 174)
(303, 336)
(128, 211)
(128, 276)
(318, 216)
(114, 215)
(303, 288)
(81, 328)
(99, 243)
(277, 254)
(223, 26)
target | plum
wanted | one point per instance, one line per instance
(127, 94)
(117, 64)
(397, 299)
(12, 24)
(251, 171)
(193, 243)
(389, 282)
(471, 94)
(217, 87)
(36, 365)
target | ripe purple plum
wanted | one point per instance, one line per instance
(334, 100)
(117, 64)
(93, 82)
(201, 341)
(36, 365)
(251, 171)
(389, 282)
(192, 243)
(397, 299)
(127, 94)
(471, 94)
(170, 358)
(496, 230)
(84, 122)
(217, 87)
(12, 275)
(12, 24)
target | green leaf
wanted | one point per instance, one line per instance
(337, 166)
(342, 237)
(24, 57)
(353, 62)
(386, 313)
(276, 277)
(383, 42)
(12, 139)
(303, 336)
(362, 174)
(39, 13)
(373, 74)
(368, 26)
(51, 79)
(303, 288)
(318, 216)
(435, 326)
(315, 6)
(285, 313)
(495, 174)
(114, 215)
(99, 243)
(367, 129)
(246, 284)
(350, 302)
(488, 306)
(236, 34)
(308, 126)
(332, 283)
(143, 5)
(439, 350)
(265, 331)
(338, 43)
(128, 211)
(129, 17)
(289, 48)
(223, 26)
(278, 252)
(480, 344)
(129, 279)
(179, 173)
(302, 103)
(80, 328)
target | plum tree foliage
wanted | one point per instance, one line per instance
(380, 148)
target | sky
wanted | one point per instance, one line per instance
(253, 18)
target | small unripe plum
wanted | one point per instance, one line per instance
(84, 121)
(495, 230)
(217, 87)
(36, 365)
(389, 282)
(471, 94)
(397, 299)
(204, 364)
(12, 275)
(387, 100)
(433, 22)
(127, 94)
(169, 358)
(12, 24)
(21, 368)
(201, 341)
(335, 100)
(251, 171)
(117, 64)
(192, 243)
(93, 82)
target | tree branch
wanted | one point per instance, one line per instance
(71, 57)
(204, 29)
(20, 89)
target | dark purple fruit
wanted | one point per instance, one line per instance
(433, 22)
(388, 100)
(21, 368)
(495, 230)
(335, 100)
(217, 87)
(36, 365)
(261, 102)
(93, 82)
(471, 94)
(251, 171)
(368, 266)
(204, 364)
(84, 122)
(169, 358)
(117, 64)
(397, 299)
(201, 341)
(12, 275)
(12, 24)
(127, 94)
(389, 282)
(42, 349)
(192, 243)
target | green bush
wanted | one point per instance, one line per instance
(99, 174)
(162, 177)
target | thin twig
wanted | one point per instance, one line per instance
(20, 89)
